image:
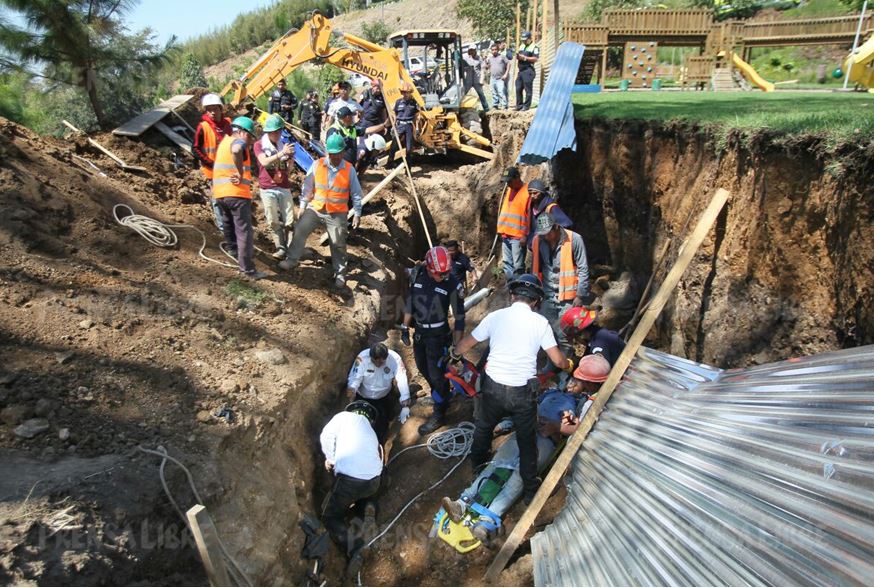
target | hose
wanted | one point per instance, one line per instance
(160, 234)
(454, 442)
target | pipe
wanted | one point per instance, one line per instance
(477, 297)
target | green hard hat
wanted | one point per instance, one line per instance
(335, 144)
(245, 123)
(274, 122)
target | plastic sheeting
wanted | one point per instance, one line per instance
(553, 126)
(696, 476)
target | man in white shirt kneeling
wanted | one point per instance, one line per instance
(371, 378)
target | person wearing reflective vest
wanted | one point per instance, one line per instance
(513, 223)
(213, 127)
(330, 183)
(559, 260)
(344, 126)
(232, 188)
(544, 203)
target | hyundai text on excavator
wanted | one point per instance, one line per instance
(438, 127)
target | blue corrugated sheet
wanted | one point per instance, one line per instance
(699, 477)
(553, 127)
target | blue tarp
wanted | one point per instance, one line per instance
(553, 127)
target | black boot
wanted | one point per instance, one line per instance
(432, 424)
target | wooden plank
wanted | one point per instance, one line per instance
(173, 136)
(144, 121)
(370, 195)
(684, 258)
(106, 151)
(206, 537)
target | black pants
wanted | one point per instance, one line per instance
(346, 492)
(405, 134)
(428, 349)
(384, 407)
(497, 401)
(525, 82)
(238, 231)
(314, 128)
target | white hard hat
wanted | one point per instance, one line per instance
(375, 142)
(211, 100)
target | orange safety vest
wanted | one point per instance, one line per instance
(331, 198)
(514, 218)
(568, 278)
(209, 147)
(224, 167)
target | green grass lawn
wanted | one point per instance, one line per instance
(840, 117)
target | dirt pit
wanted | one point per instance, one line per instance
(111, 344)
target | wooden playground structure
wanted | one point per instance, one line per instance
(724, 46)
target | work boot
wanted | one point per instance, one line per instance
(454, 508)
(431, 425)
(531, 492)
(369, 528)
(287, 265)
(280, 253)
(255, 276)
(356, 560)
(339, 282)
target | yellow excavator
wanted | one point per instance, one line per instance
(438, 127)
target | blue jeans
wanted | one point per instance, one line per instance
(514, 256)
(507, 456)
(499, 93)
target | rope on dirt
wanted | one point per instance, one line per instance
(160, 234)
(239, 575)
(454, 442)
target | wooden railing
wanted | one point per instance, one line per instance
(658, 22)
(586, 34)
(698, 68)
(807, 29)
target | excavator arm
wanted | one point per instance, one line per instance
(312, 43)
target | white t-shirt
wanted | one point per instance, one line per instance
(348, 441)
(515, 335)
(375, 382)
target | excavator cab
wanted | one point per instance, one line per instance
(433, 59)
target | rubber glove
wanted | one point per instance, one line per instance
(405, 414)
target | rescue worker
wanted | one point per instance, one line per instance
(461, 265)
(213, 127)
(542, 202)
(232, 188)
(514, 223)
(309, 114)
(344, 98)
(282, 102)
(273, 159)
(354, 455)
(559, 260)
(344, 127)
(335, 93)
(372, 127)
(406, 108)
(526, 57)
(473, 73)
(372, 377)
(516, 335)
(558, 415)
(330, 184)
(579, 324)
(432, 292)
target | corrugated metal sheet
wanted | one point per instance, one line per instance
(693, 476)
(553, 126)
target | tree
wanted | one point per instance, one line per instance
(490, 19)
(191, 75)
(80, 43)
(376, 32)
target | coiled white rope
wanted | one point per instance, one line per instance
(454, 442)
(160, 234)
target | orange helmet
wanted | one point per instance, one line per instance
(593, 368)
(576, 319)
(437, 260)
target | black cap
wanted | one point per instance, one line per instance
(537, 186)
(344, 112)
(510, 174)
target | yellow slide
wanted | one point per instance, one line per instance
(751, 74)
(861, 65)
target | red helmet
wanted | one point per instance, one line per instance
(593, 368)
(437, 260)
(576, 319)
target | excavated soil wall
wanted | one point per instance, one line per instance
(786, 271)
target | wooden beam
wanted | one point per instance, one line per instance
(555, 26)
(371, 195)
(684, 258)
(105, 151)
(206, 537)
